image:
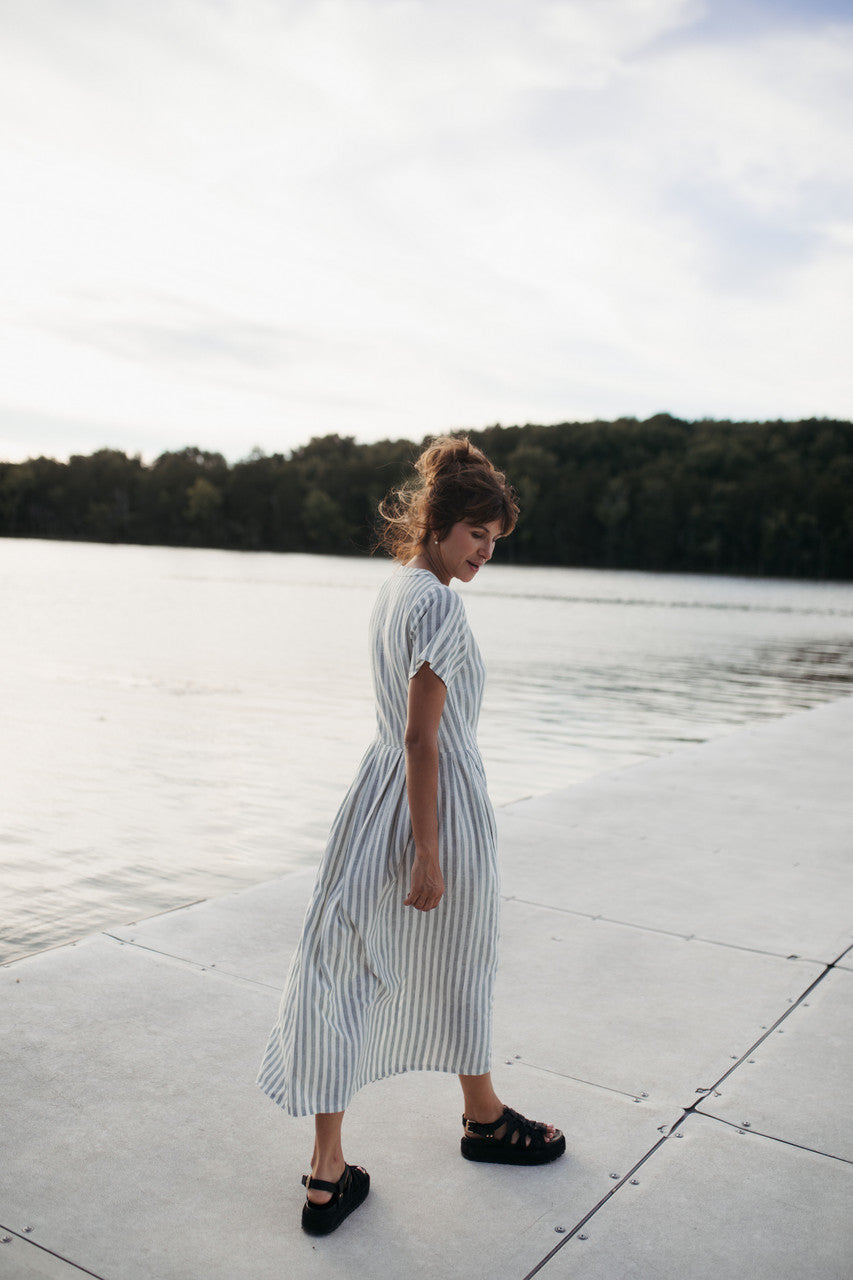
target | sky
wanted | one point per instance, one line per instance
(239, 224)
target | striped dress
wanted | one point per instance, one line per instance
(376, 988)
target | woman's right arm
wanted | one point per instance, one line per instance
(425, 705)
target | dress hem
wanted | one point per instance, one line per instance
(280, 1099)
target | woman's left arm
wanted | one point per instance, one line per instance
(425, 705)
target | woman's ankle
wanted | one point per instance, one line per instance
(330, 1170)
(484, 1112)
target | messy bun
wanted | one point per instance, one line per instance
(455, 482)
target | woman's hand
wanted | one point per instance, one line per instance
(427, 885)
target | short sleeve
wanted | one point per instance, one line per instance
(438, 634)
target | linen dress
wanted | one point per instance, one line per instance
(376, 988)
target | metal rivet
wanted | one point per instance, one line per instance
(644, 1095)
(679, 1135)
(746, 1124)
(28, 1229)
(733, 1057)
(518, 1057)
(752, 1062)
(615, 1176)
(559, 1230)
(635, 1182)
(5, 1239)
(582, 1236)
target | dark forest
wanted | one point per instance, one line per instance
(763, 498)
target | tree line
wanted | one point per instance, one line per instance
(766, 498)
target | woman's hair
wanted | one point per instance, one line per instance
(455, 482)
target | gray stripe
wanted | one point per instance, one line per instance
(376, 988)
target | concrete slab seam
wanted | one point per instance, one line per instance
(674, 1130)
(771, 1030)
(8, 1232)
(167, 911)
(588, 915)
(564, 1075)
(750, 1132)
(617, 1186)
(212, 969)
(667, 933)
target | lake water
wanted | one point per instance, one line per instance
(178, 723)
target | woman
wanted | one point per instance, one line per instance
(396, 965)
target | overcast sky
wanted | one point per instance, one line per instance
(239, 223)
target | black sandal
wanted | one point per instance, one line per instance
(522, 1142)
(347, 1194)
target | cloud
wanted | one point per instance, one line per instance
(259, 222)
(169, 332)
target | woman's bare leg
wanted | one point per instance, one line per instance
(327, 1162)
(482, 1104)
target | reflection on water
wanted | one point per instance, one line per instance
(178, 723)
(826, 664)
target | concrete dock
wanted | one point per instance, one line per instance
(676, 993)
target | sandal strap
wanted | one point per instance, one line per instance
(515, 1124)
(318, 1184)
(483, 1130)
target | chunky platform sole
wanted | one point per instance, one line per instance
(488, 1152)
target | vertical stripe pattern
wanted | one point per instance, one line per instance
(376, 988)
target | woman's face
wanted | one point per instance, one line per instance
(467, 548)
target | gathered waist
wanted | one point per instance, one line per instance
(464, 750)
